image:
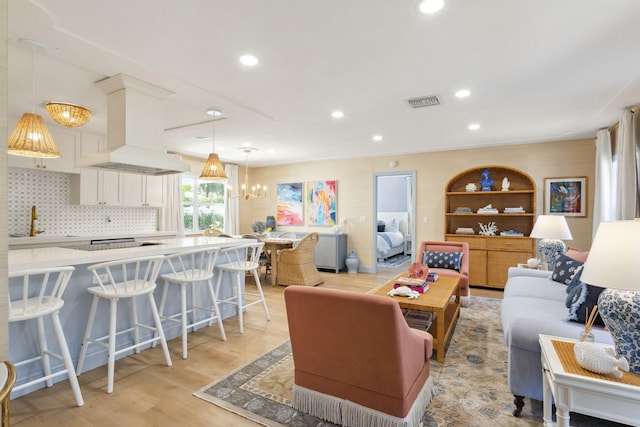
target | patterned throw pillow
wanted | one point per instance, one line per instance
(564, 268)
(582, 297)
(448, 260)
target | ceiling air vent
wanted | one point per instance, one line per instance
(423, 101)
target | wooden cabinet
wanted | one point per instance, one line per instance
(331, 251)
(491, 256)
(66, 143)
(95, 186)
(143, 190)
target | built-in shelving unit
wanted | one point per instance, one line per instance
(491, 256)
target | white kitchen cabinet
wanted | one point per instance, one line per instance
(95, 186)
(66, 143)
(143, 190)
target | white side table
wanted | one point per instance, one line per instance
(586, 395)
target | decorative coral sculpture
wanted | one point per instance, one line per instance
(601, 360)
(471, 187)
(404, 291)
(489, 229)
(418, 270)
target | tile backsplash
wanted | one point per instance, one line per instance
(49, 192)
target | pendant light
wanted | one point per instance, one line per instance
(213, 169)
(257, 191)
(67, 114)
(31, 138)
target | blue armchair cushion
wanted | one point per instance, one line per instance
(448, 260)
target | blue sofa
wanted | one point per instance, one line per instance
(534, 304)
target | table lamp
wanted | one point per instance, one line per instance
(612, 264)
(552, 230)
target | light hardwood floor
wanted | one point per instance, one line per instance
(149, 393)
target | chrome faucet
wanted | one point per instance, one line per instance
(34, 216)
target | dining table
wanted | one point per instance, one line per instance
(272, 246)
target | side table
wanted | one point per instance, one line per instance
(593, 395)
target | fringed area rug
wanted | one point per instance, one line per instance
(395, 261)
(470, 387)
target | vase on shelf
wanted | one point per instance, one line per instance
(352, 263)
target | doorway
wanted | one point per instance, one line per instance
(394, 198)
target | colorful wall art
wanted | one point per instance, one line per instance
(289, 199)
(321, 203)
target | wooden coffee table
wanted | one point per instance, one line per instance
(438, 300)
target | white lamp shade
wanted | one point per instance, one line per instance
(614, 256)
(551, 227)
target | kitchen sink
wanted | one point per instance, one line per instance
(105, 244)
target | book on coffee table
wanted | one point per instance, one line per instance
(418, 285)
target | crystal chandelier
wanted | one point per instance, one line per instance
(257, 191)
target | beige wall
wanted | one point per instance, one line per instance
(355, 186)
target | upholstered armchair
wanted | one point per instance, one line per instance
(463, 274)
(296, 266)
(357, 362)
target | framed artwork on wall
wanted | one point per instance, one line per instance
(289, 204)
(321, 203)
(565, 196)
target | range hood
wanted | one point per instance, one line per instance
(135, 129)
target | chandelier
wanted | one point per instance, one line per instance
(257, 191)
(69, 115)
(213, 169)
(31, 138)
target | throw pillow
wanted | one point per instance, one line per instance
(380, 226)
(575, 280)
(582, 297)
(564, 269)
(393, 225)
(448, 260)
(577, 254)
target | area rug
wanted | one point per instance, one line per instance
(394, 261)
(470, 387)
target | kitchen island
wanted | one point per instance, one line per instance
(75, 312)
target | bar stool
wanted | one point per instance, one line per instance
(120, 279)
(239, 261)
(189, 268)
(41, 296)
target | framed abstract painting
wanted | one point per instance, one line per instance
(321, 203)
(289, 200)
(565, 196)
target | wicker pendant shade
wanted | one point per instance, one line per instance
(69, 115)
(31, 138)
(213, 169)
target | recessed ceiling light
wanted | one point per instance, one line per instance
(463, 93)
(377, 138)
(430, 6)
(249, 60)
(214, 112)
(474, 126)
(337, 114)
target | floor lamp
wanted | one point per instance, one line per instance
(613, 264)
(551, 230)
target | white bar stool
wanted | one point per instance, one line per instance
(239, 261)
(189, 268)
(41, 295)
(129, 278)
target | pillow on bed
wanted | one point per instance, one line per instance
(392, 225)
(380, 226)
(448, 260)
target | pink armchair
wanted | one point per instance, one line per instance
(357, 362)
(463, 274)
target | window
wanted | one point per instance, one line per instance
(202, 204)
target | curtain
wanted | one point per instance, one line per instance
(626, 171)
(171, 215)
(232, 207)
(604, 185)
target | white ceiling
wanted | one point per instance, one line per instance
(538, 70)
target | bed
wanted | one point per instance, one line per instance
(390, 238)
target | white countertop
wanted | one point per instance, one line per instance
(44, 240)
(20, 259)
